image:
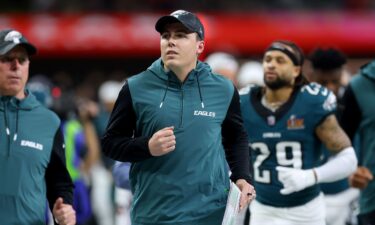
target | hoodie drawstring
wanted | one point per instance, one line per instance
(7, 130)
(200, 92)
(6, 127)
(166, 90)
(5, 120)
(16, 133)
(165, 93)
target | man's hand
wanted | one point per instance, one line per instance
(360, 178)
(247, 193)
(64, 214)
(295, 179)
(162, 142)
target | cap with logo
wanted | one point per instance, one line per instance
(188, 19)
(11, 38)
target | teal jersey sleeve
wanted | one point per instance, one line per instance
(320, 100)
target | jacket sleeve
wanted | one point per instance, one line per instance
(58, 181)
(351, 114)
(118, 142)
(235, 142)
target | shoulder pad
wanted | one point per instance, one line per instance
(320, 95)
(315, 89)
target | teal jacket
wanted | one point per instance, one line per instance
(32, 161)
(359, 117)
(188, 185)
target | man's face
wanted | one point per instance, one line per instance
(279, 70)
(330, 79)
(179, 47)
(14, 72)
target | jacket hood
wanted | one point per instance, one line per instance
(201, 71)
(368, 70)
(157, 68)
(28, 103)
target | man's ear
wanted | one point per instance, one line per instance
(200, 47)
(297, 71)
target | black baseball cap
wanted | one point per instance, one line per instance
(11, 38)
(188, 19)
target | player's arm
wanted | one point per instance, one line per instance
(59, 184)
(118, 142)
(235, 141)
(332, 135)
(344, 162)
(237, 152)
(58, 180)
(351, 114)
(341, 165)
(350, 120)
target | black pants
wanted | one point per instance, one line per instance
(367, 219)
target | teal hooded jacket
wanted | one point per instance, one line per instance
(359, 118)
(32, 161)
(188, 185)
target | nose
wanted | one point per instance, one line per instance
(15, 63)
(171, 42)
(269, 64)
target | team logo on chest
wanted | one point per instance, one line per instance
(204, 113)
(32, 144)
(295, 123)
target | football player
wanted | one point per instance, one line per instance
(287, 122)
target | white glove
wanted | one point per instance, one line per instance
(295, 179)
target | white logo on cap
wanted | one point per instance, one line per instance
(179, 13)
(13, 36)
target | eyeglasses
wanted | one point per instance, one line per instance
(9, 59)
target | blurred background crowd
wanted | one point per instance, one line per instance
(80, 79)
(205, 5)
